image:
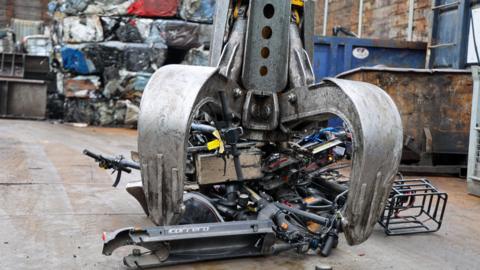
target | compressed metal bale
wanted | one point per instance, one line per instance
(74, 59)
(131, 114)
(129, 85)
(197, 57)
(126, 29)
(119, 112)
(138, 82)
(127, 32)
(110, 25)
(78, 111)
(81, 86)
(197, 10)
(144, 27)
(111, 57)
(154, 8)
(99, 112)
(90, 58)
(73, 7)
(104, 113)
(82, 29)
(92, 7)
(55, 106)
(143, 57)
(109, 7)
(175, 34)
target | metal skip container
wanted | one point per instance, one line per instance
(334, 55)
(435, 107)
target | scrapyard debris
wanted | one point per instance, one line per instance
(231, 167)
(154, 8)
(128, 32)
(82, 87)
(101, 112)
(7, 42)
(74, 7)
(197, 10)
(112, 57)
(55, 106)
(109, 7)
(176, 34)
(89, 7)
(82, 29)
(120, 29)
(196, 57)
(291, 177)
(81, 59)
(101, 38)
(234, 160)
(143, 57)
(37, 45)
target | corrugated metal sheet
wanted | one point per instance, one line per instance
(23, 28)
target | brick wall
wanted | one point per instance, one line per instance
(23, 9)
(383, 19)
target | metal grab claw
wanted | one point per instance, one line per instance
(368, 111)
(269, 93)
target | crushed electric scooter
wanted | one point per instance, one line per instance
(299, 191)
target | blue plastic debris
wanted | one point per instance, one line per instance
(74, 60)
(322, 135)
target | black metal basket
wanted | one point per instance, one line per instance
(414, 206)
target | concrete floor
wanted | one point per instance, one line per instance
(55, 203)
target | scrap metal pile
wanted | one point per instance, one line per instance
(235, 159)
(107, 50)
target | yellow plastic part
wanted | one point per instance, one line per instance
(215, 144)
(218, 141)
(237, 8)
(297, 16)
(298, 3)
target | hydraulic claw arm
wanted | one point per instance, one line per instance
(269, 197)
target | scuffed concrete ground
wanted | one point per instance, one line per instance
(55, 203)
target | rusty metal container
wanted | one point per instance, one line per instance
(22, 98)
(435, 106)
(22, 93)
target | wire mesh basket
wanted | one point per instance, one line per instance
(414, 206)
